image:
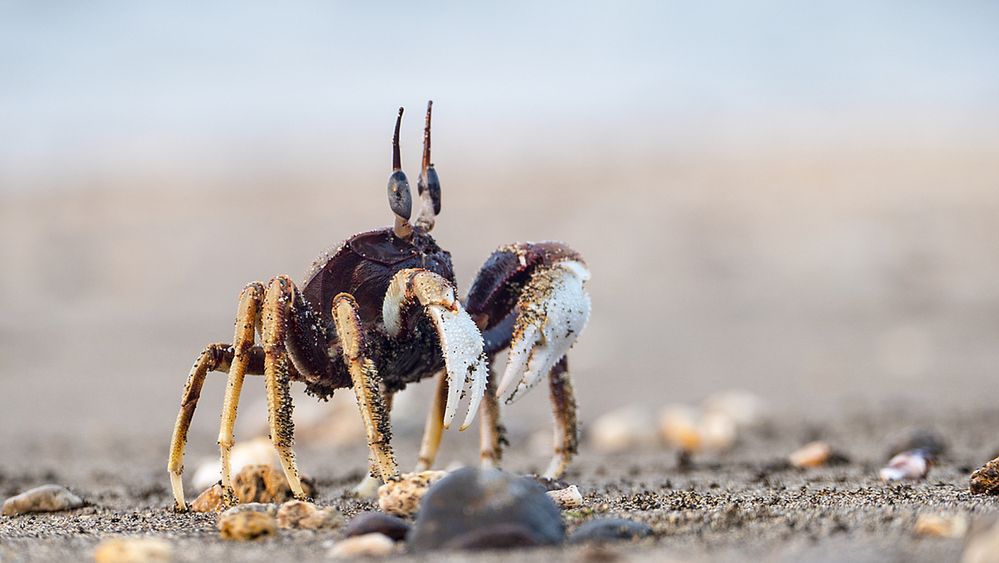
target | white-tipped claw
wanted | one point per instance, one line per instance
(552, 310)
(464, 361)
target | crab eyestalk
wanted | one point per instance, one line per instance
(428, 185)
(400, 198)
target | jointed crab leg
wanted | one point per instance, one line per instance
(460, 339)
(213, 357)
(492, 433)
(250, 302)
(277, 370)
(434, 427)
(564, 410)
(367, 384)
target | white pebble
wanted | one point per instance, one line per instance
(624, 429)
(567, 498)
(368, 545)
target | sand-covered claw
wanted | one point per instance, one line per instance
(552, 310)
(461, 342)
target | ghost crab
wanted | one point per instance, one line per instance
(381, 311)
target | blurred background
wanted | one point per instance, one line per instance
(799, 200)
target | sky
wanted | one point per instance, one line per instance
(89, 80)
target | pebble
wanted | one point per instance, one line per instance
(813, 454)
(254, 483)
(603, 530)
(133, 550)
(258, 451)
(246, 525)
(401, 496)
(269, 509)
(680, 427)
(567, 498)
(266, 483)
(741, 407)
(376, 522)
(47, 498)
(910, 465)
(307, 516)
(931, 443)
(941, 525)
(623, 429)
(367, 545)
(473, 508)
(210, 500)
(985, 480)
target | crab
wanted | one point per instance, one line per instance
(381, 311)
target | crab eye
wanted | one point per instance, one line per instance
(400, 199)
(430, 183)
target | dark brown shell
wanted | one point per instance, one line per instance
(496, 287)
(364, 265)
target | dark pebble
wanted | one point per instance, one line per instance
(473, 508)
(500, 536)
(931, 443)
(377, 522)
(610, 530)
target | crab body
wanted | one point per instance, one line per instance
(381, 311)
(363, 266)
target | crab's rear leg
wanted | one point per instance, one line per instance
(433, 430)
(247, 318)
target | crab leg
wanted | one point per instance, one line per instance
(215, 357)
(492, 433)
(250, 301)
(564, 411)
(277, 369)
(460, 339)
(432, 431)
(367, 385)
(552, 310)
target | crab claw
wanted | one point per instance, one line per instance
(461, 342)
(551, 312)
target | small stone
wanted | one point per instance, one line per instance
(376, 522)
(911, 465)
(499, 536)
(741, 407)
(473, 508)
(567, 498)
(985, 480)
(368, 545)
(718, 431)
(929, 442)
(680, 427)
(47, 498)
(246, 525)
(941, 525)
(307, 516)
(258, 451)
(813, 454)
(265, 483)
(210, 500)
(982, 545)
(603, 530)
(401, 496)
(132, 550)
(268, 509)
(624, 429)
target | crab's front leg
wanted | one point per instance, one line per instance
(531, 298)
